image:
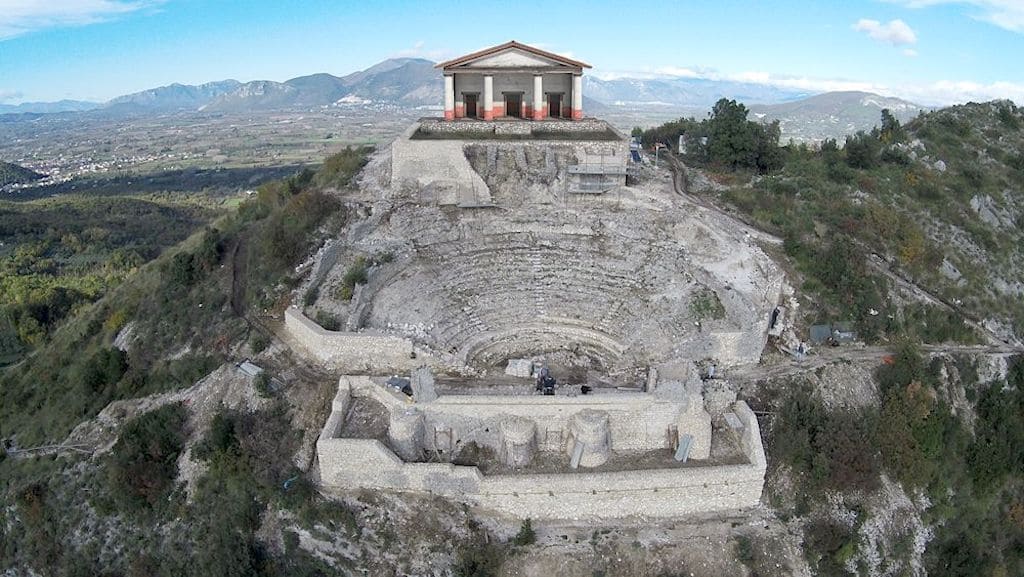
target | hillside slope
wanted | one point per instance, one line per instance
(909, 228)
(11, 173)
(832, 114)
(966, 184)
(49, 107)
(171, 98)
(684, 92)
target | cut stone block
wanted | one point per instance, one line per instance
(423, 385)
(695, 422)
(519, 368)
(683, 452)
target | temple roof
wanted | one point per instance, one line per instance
(511, 54)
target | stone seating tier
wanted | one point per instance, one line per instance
(472, 293)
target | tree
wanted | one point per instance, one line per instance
(729, 141)
(738, 143)
(862, 150)
(891, 131)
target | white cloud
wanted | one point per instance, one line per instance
(420, 50)
(18, 17)
(896, 32)
(609, 75)
(945, 92)
(678, 72)
(6, 94)
(1006, 14)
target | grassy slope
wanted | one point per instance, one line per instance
(56, 255)
(180, 304)
(905, 208)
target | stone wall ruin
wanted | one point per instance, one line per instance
(523, 428)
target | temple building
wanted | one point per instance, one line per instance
(513, 80)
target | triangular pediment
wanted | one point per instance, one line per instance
(513, 55)
(512, 58)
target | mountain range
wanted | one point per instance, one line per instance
(173, 97)
(414, 82)
(833, 113)
(683, 92)
(49, 107)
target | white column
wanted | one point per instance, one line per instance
(488, 97)
(538, 97)
(449, 97)
(577, 96)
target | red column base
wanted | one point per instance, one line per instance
(538, 115)
(488, 115)
(449, 115)
(576, 114)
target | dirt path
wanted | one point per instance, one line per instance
(678, 185)
(239, 270)
(864, 355)
(899, 280)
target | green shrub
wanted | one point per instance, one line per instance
(829, 545)
(249, 457)
(221, 439)
(101, 372)
(836, 449)
(327, 320)
(356, 274)
(744, 548)
(143, 463)
(478, 560)
(311, 295)
(932, 324)
(259, 342)
(998, 450)
(339, 169)
(526, 534)
(922, 443)
(262, 384)
(286, 230)
(705, 304)
(862, 150)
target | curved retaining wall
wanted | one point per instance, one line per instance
(367, 463)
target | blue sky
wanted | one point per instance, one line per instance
(928, 51)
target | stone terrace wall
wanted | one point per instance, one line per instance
(438, 166)
(363, 463)
(356, 352)
(515, 127)
(440, 173)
